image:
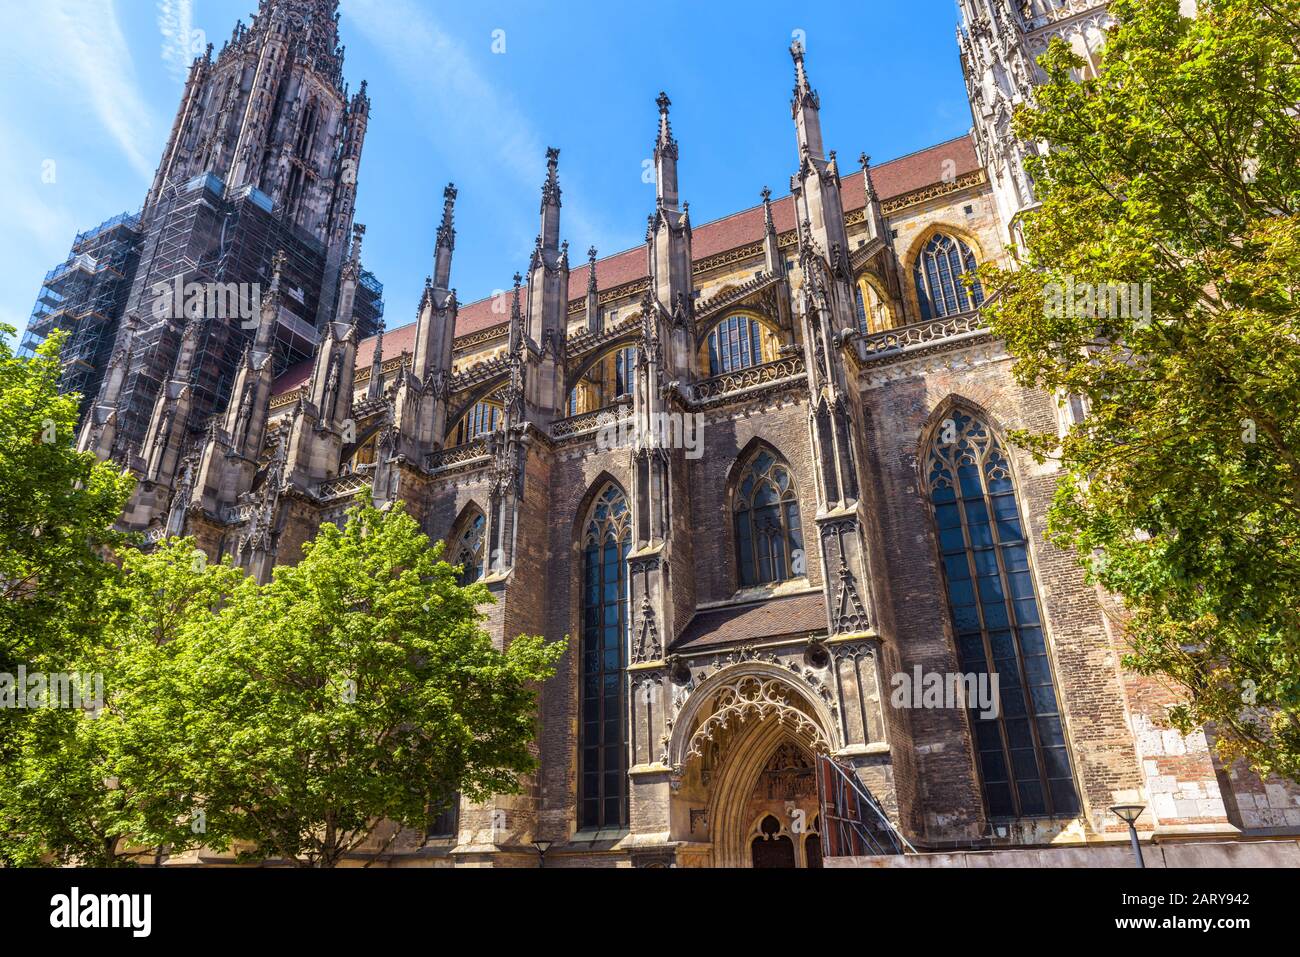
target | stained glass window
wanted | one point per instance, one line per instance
(1023, 759)
(938, 271)
(603, 762)
(468, 549)
(483, 418)
(769, 536)
(735, 343)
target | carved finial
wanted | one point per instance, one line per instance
(446, 230)
(551, 188)
(665, 143)
(803, 92)
(864, 160)
(767, 195)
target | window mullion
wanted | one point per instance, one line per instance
(984, 636)
(1015, 638)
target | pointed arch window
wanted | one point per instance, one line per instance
(938, 271)
(738, 342)
(602, 764)
(870, 308)
(1023, 759)
(467, 545)
(608, 381)
(483, 418)
(769, 534)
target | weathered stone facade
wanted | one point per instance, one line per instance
(776, 569)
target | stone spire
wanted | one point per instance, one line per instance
(436, 326)
(593, 296)
(446, 240)
(547, 314)
(375, 388)
(665, 158)
(668, 252)
(771, 244)
(805, 108)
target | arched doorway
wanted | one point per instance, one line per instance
(747, 757)
(771, 848)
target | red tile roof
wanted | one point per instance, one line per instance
(776, 617)
(892, 179)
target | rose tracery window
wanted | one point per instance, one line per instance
(607, 539)
(1022, 755)
(938, 275)
(769, 535)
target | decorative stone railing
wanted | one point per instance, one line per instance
(237, 514)
(590, 421)
(344, 486)
(479, 373)
(892, 342)
(786, 369)
(583, 342)
(445, 459)
(726, 299)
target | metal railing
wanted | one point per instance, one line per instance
(853, 825)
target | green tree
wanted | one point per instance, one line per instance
(357, 686)
(1178, 166)
(286, 720)
(57, 511)
(113, 785)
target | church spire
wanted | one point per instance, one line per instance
(805, 108)
(446, 240)
(376, 387)
(550, 234)
(593, 296)
(665, 158)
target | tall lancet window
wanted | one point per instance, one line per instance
(484, 417)
(738, 342)
(769, 536)
(1023, 760)
(467, 547)
(938, 271)
(602, 769)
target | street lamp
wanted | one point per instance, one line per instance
(542, 848)
(1128, 813)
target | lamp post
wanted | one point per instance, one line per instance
(1129, 813)
(542, 848)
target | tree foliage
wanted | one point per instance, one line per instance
(284, 720)
(57, 511)
(1178, 167)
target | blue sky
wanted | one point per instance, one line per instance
(89, 88)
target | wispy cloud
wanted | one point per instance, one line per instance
(176, 24)
(76, 49)
(69, 107)
(464, 107)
